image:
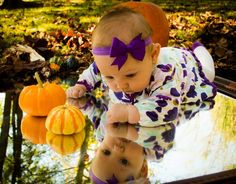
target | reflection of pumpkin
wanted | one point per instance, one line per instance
(65, 144)
(33, 128)
(38, 100)
(65, 119)
(155, 16)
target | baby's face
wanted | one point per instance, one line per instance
(134, 75)
(118, 156)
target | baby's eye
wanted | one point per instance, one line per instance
(106, 152)
(131, 75)
(124, 161)
(109, 77)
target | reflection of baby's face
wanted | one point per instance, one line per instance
(118, 156)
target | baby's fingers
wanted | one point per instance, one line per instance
(73, 93)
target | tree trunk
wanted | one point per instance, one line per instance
(83, 152)
(11, 4)
(17, 140)
(5, 132)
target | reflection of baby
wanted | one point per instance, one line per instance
(124, 148)
(118, 160)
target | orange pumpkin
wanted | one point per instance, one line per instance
(65, 144)
(65, 119)
(155, 16)
(33, 129)
(38, 100)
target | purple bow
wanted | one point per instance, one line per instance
(120, 50)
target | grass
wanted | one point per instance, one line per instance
(14, 24)
(59, 14)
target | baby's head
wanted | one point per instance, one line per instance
(123, 50)
(118, 160)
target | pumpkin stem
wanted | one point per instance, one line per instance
(40, 83)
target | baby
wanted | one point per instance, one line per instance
(148, 85)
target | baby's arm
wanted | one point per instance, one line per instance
(88, 80)
(76, 91)
(163, 104)
(156, 140)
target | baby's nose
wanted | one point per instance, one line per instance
(122, 85)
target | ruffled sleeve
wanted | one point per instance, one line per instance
(90, 78)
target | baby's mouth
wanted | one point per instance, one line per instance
(123, 140)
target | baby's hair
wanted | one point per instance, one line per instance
(121, 22)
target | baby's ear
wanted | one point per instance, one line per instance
(155, 52)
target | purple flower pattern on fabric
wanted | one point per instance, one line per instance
(159, 109)
(95, 68)
(203, 96)
(150, 139)
(165, 68)
(97, 85)
(183, 65)
(128, 98)
(174, 92)
(96, 121)
(195, 75)
(185, 73)
(168, 78)
(161, 103)
(169, 135)
(182, 85)
(163, 97)
(191, 93)
(184, 57)
(152, 115)
(188, 114)
(171, 115)
(88, 86)
(203, 105)
(158, 151)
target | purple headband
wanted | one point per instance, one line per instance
(120, 50)
(96, 180)
(113, 180)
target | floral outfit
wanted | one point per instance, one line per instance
(177, 90)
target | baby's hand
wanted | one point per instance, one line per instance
(76, 91)
(126, 131)
(80, 103)
(123, 113)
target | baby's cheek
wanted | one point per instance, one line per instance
(112, 87)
